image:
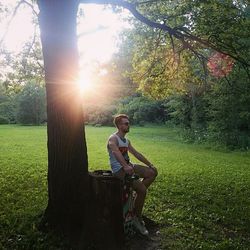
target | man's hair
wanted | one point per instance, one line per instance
(117, 119)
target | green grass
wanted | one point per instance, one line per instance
(201, 196)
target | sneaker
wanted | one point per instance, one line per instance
(140, 227)
(142, 221)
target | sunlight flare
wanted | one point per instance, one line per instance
(84, 82)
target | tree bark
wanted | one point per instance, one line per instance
(106, 229)
(67, 151)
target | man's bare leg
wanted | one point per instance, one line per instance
(140, 187)
(141, 191)
(148, 174)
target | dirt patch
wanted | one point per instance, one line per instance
(150, 242)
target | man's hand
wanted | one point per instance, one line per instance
(128, 170)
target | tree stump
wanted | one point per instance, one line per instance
(106, 210)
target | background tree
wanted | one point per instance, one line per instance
(142, 109)
(228, 110)
(22, 67)
(165, 67)
(7, 106)
(31, 107)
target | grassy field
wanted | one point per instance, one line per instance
(201, 196)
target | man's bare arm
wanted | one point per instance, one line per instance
(139, 156)
(118, 155)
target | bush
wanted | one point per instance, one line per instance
(31, 104)
(8, 107)
(100, 115)
(141, 109)
(229, 114)
(4, 120)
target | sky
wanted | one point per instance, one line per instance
(20, 29)
(98, 34)
(98, 30)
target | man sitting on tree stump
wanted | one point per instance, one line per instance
(118, 148)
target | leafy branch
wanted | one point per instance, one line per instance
(181, 34)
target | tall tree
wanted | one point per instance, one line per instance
(31, 104)
(67, 151)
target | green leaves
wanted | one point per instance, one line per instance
(31, 107)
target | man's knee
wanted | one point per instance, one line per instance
(152, 173)
(155, 172)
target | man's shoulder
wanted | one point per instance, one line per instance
(112, 137)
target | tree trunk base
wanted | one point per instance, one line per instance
(106, 218)
(100, 224)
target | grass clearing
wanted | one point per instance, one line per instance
(201, 196)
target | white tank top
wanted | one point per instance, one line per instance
(123, 148)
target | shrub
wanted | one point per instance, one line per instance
(4, 120)
(100, 115)
(8, 108)
(31, 104)
(141, 109)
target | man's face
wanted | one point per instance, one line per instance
(124, 125)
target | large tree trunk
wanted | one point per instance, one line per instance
(67, 152)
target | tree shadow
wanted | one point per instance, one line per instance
(150, 242)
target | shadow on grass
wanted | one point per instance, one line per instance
(150, 242)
